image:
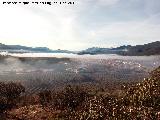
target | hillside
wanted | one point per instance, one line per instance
(146, 49)
(138, 50)
(139, 101)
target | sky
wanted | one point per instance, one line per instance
(87, 23)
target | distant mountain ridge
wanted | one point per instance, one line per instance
(138, 50)
(146, 49)
(25, 49)
(97, 50)
(126, 50)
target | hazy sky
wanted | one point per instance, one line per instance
(87, 23)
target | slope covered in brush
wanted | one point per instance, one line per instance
(139, 101)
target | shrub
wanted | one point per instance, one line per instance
(45, 97)
(9, 94)
(70, 98)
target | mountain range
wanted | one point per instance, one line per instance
(126, 50)
(24, 49)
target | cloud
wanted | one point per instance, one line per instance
(87, 23)
(107, 2)
(132, 32)
(152, 6)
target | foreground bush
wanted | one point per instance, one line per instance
(9, 95)
(69, 98)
